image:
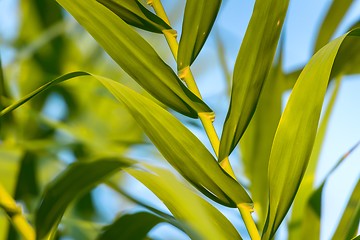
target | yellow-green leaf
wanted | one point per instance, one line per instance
(181, 148)
(296, 132)
(349, 221)
(199, 18)
(186, 205)
(135, 56)
(259, 135)
(135, 14)
(298, 215)
(178, 145)
(251, 69)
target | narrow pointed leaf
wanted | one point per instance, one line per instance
(131, 226)
(199, 18)
(349, 221)
(77, 179)
(200, 216)
(172, 138)
(296, 132)
(182, 149)
(332, 20)
(135, 14)
(135, 56)
(310, 224)
(251, 68)
(259, 135)
(298, 215)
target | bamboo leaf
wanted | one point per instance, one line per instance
(200, 216)
(182, 149)
(77, 179)
(171, 137)
(135, 56)
(259, 135)
(307, 185)
(333, 18)
(199, 18)
(131, 226)
(251, 68)
(135, 14)
(349, 221)
(310, 225)
(296, 132)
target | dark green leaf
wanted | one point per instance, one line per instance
(131, 226)
(135, 14)
(135, 56)
(251, 69)
(199, 18)
(77, 179)
(296, 133)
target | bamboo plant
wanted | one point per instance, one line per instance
(106, 118)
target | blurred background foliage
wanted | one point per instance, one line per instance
(74, 121)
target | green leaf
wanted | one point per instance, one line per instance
(251, 69)
(77, 179)
(259, 135)
(333, 18)
(200, 216)
(10, 158)
(135, 14)
(199, 18)
(298, 215)
(310, 224)
(131, 226)
(171, 137)
(349, 221)
(135, 56)
(296, 132)
(181, 148)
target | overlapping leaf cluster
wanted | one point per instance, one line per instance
(276, 147)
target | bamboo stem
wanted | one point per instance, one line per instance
(187, 76)
(245, 211)
(207, 119)
(15, 215)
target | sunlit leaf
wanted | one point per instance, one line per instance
(332, 20)
(173, 140)
(259, 135)
(135, 14)
(251, 69)
(296, 132)
(200, 216)
(135, 56)
(77, 179)
(181, 148)
(199, 18)
(131, 226)
(298, 215)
